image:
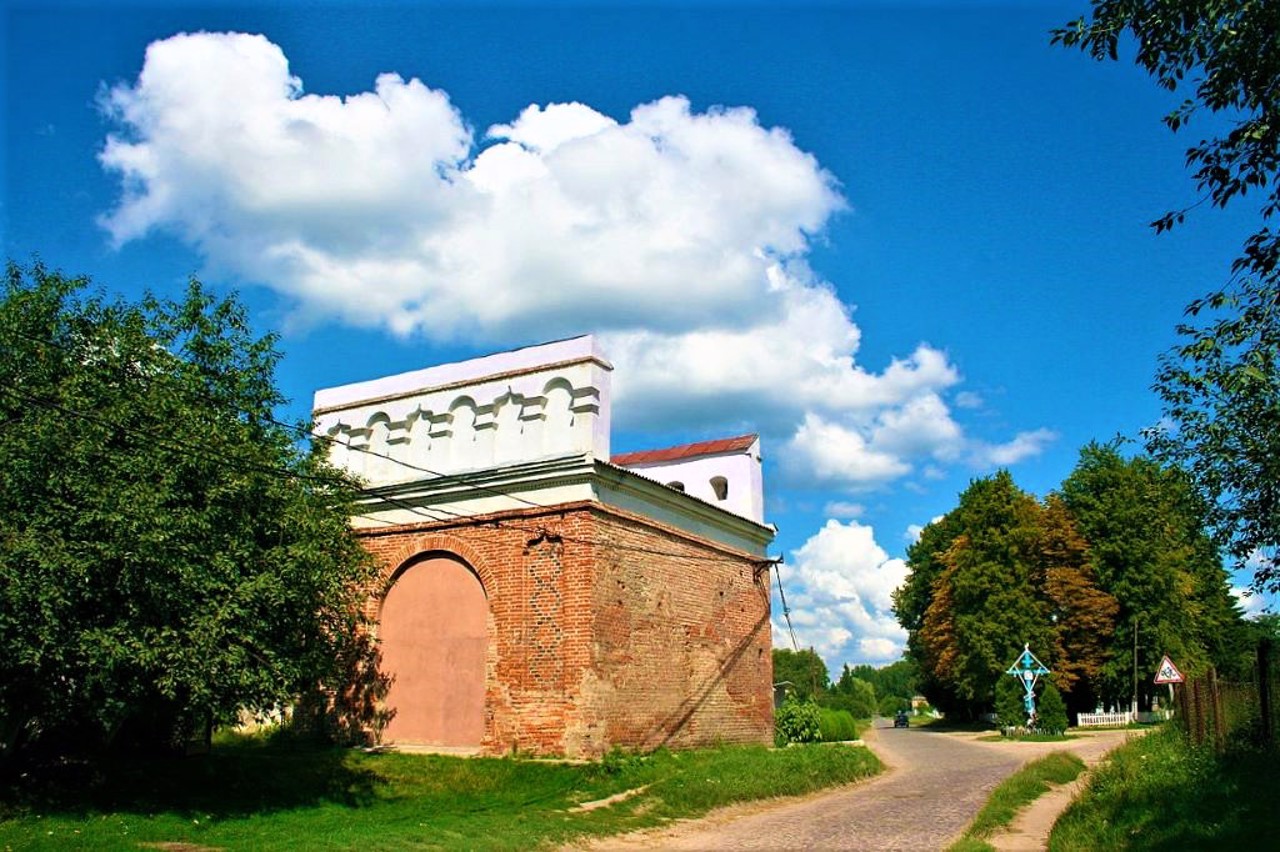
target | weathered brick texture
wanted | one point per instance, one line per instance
(606, 629)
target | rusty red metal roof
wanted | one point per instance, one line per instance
(720, 446)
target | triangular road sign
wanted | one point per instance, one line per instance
(1168, 672)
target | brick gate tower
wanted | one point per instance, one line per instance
(538, 594)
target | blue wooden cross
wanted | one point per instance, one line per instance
(1027, 669)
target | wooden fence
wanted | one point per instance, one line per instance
(1219, 712)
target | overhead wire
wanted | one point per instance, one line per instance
(379, 493)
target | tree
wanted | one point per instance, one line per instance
(1083, 614)
(898, 679)
(169, 553)
(1145, 530)
(854, 694)
(1011, 711)
(1221, 387)
(1014, 572)
(1051, 712)
(1221, 392)
(985, 604)
(804, 670)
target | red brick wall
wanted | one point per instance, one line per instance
(607, 629)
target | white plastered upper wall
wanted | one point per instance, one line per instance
(732, 480)
(522, 405)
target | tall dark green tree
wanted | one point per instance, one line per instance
(169, 553)
(854, 694)
(1010, 572)
(1146, 534)
(1221, 386)
(974, 574)
(804, 670)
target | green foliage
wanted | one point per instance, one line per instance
(268, 795)
(1157, 792)
(1016, 792)
(804, 670)
(837, 726)
(1145, 526)
(1220, 387)
(169, 554)
(1002, 570)
(1121, 548)
(1011, 712)
(897, 679)
(853, 694)
(1221, 392)
(1051, 711)
(891, 704)
(798, 722)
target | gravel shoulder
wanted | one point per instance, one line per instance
(933, 786)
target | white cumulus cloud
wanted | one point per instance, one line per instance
(840, 593)
(1023, 445)
(680, 236)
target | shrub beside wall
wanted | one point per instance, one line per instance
(837, 726)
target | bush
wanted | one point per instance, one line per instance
(837, 726)
(891, 704)
(1010, 710)
(798, 722)
(1051, 711)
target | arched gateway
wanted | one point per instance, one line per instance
(434, 637)
(544, 595)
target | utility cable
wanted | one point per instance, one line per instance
(376, 492)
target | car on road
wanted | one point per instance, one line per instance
(900, 719)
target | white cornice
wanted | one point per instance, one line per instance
(546, 483)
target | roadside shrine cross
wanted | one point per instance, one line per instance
(1027, 669)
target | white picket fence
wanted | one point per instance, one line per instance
(1100, 720)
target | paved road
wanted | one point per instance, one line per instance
(935, 785)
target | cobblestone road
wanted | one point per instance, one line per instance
(935, 785)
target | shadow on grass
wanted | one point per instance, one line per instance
(1158, 794)
(237, 778)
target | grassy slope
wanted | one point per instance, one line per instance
(272, 796)
(1156, 793)
(1015, 793)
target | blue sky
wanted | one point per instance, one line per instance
(908, 243)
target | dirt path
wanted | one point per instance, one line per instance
(934, 785)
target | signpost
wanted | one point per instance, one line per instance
(1168, 673)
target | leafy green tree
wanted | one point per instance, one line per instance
(1083, 614)
(853, 694)
(985, 604)
(804, 670)
(169, 553)
(896, 679)
(1011, 712)
(1013, 572)
(1051, 711)
(1221, 386)
(1144, 526)
(1221, 392)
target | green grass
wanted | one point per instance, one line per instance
(254, 794)
(1015, 793)
(1156, 792)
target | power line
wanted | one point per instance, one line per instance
(376, 492)
(786, 610)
